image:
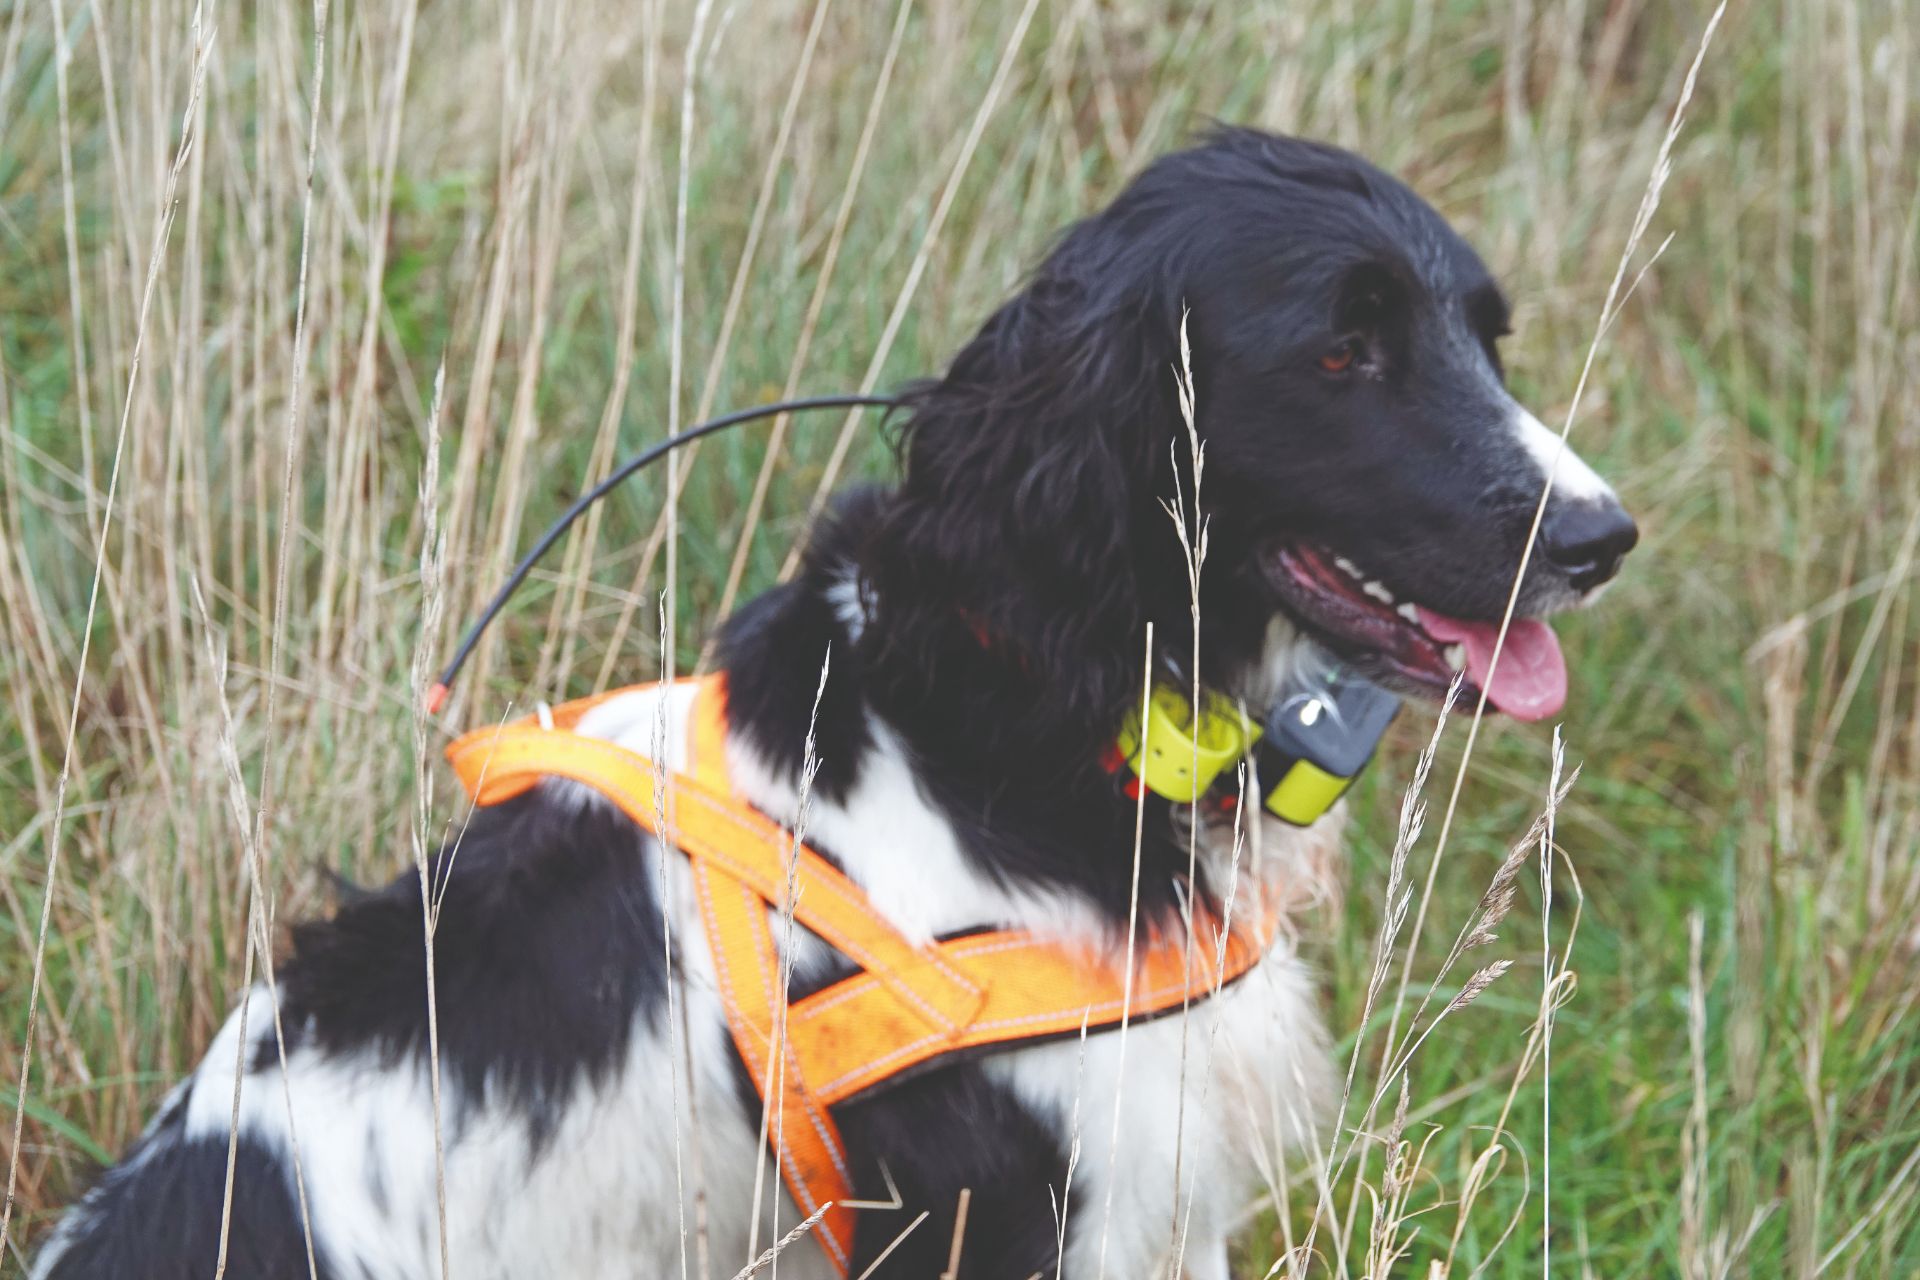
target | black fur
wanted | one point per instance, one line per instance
(547, 955)
(773, 650)
(979, 1138)
(156, 1215)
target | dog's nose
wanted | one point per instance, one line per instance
(1587, 540)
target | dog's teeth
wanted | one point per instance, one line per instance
(1347, 567)
(1456, 655)
(1410, 613)
(1377, 591)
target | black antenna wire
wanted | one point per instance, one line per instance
(437, 695)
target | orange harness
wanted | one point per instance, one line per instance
(910, 1004)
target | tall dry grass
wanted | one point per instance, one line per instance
(238, 243)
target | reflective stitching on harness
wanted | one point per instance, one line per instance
(760, 1066)
(794, 1087)
(825, 1002)
(777, 995)
(833, 997)
(1148, 998)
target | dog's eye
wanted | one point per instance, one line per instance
(1340, 357)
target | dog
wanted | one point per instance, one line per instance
(1369, 488)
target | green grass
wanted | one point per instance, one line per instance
(1744, 702)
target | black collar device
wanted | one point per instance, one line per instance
(1315, 740)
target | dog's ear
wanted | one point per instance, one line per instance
(1028, 500)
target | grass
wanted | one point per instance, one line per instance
(495, 189)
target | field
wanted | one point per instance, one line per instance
(265, 272)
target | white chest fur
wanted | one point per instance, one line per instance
(1176, 1123)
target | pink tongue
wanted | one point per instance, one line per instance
(1531, 680)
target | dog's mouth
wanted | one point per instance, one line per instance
(1411, 645)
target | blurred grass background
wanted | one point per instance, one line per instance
(496, 187)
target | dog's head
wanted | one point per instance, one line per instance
(1361, 439)
(1368, 477)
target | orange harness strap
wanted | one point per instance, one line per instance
(753, 989)
(910, 1004)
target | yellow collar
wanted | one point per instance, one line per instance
(1180, 756)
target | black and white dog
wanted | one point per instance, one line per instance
(1370, 486)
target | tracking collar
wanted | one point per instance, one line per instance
(1308, 748)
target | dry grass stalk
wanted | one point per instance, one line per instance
(203, 45)
(772, 1255)
(1190, 526)
(1397, 897)
(884, 347)
(1693, 1140)
(433, 553)
(1389, 1235)
(815, 305)
(880, 1258)
(259, 942)
(1126, 991)
(959, 1235)
(778, 1051)
(730, 316)
(677, 1017)
(564, 622)
(1643, 217)
(676, 343)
